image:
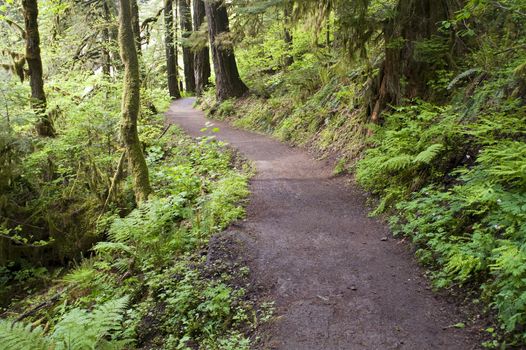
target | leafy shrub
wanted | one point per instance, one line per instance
(226, 109)
(57, 187)
(418, 144)
(469, 219)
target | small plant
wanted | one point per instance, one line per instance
(101, 328)
(226, 109)
(417, 145)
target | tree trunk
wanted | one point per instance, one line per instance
(415, 20)
(287, 14)
(202, 68)
(131, 104)
(328, 26)
(176, 46)
(171, 63)
(185, 17)
(228, 82)
(136, 25)
(44, 125)
(106, 58)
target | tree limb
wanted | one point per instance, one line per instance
(16, 26)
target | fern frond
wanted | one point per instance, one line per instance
(19, 336)
(113, 247)
(429, 154)
(72, 331)
(80, 329)
(397, 163)
(108, 317)
(461, 76)
(520, 70)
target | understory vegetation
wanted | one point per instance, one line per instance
(445, 158)
(152, 281)
(98, 251)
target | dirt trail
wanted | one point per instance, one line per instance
(337, 284)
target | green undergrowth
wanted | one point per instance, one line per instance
(53, 190)
(454, 178)
(452, 175)
(458, 185)
(154, 281)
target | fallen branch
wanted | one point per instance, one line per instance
(165, 131)
(41, 306)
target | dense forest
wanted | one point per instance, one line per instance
(108, 213)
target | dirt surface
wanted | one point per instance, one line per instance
(338, 284)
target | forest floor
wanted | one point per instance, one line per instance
(338, 278)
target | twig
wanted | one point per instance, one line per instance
(114, 180)
(165, 131)
(30, 245)
(501, 6)
(149, 20)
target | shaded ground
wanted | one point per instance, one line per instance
(338, 284)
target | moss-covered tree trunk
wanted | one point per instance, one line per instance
(185, 17)
(136, 25)
(287, 19)
(415, 22)
(171, 59)
(131, 104)
(44, 125)
(228, 82)
(202, 69)
(106, 40)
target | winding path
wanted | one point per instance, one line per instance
(338, 284)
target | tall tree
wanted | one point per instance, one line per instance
(287, 14)
(185, 17)
(106, 40)
(44, 125)
(171, 59)
(136, 26)
(228, 82)
(414, 21)
(131, 104)
(202, 69)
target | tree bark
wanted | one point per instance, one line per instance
(171, 61)
(202, 69)
(44, 125)
(415, 20)
(287, 14)
(131, 104)
(106, 57)
(185, 17)
(136, 25)
(228, 82)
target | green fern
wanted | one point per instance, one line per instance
(80, 329)
(428, 155)
(506, 162)
(77, 330)
(397, 163)
(19, 336)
